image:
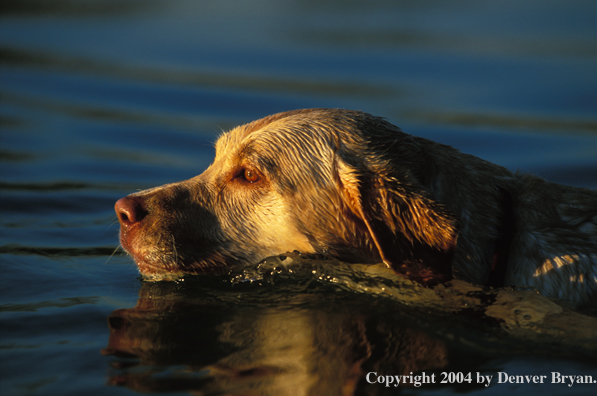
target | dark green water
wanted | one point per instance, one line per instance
(100, 98)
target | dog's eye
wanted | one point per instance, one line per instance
(250, 175)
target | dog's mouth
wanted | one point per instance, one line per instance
(152, 272)
(162, 245)
(158, 258)
(152, 249)
(150, 264)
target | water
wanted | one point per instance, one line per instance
(102, 98)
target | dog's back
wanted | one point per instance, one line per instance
(554, 246)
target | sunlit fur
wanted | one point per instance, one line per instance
(354, 186)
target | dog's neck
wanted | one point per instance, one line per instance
(502, 244)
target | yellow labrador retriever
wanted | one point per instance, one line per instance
(353, 186)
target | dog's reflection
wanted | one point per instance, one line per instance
(175, 342)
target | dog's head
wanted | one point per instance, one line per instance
(334, 182)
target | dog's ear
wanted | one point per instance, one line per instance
(401, 219)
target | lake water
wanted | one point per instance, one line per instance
(101, 98)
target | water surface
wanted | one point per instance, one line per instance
(101, 98)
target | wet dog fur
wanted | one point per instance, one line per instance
(353, 186)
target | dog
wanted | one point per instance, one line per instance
(355, 187)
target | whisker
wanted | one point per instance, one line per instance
(113, 253)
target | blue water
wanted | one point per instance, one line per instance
(101, 98)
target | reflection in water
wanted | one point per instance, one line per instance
(299, 324)
(176, 339)
(308, 325)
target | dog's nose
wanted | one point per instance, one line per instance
(130, 210)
